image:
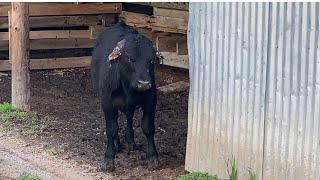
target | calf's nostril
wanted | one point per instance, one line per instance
(144, 84)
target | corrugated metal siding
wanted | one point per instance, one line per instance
(292, 136)
(227, 93)
(255, 89)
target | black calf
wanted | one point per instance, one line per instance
(122, 71)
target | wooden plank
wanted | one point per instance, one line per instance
(172, 59)
(52, 34)
(182, 14)
(95, 31)
(4, 4)
(45, 9)
(59, 21)
(156, 23)
(5, 65)
(169, 30)
(136, 19)
(20, 54)
(182, 48)
(59, 34)
(9, 34)
(169, 5)
(174, 87)
(108, 19)
(168, 43)
(169, 22)
(36, 44)
(70, 62)
(146, 32)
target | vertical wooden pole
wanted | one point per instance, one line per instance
(9, 23)
(20, 54)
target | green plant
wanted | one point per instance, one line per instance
(6, 109)
(252, 175)
(28, 176)
(52, 152)
(197, 176)
(7, 112)
(10, 115)
(232, 168)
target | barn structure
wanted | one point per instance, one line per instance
(254, 73)
(62, 35)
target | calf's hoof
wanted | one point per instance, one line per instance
(108, 165)
(153, 164)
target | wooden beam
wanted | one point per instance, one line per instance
(182, 45)
(168, 43)
(9, 29)
(53, 63)
(174, 87)
(52, 34)
(36, 44)
(170, 59)
(170, 23)
(147, 33)
(169, 30)
(95, 31)
(45, 9)
(175, 60)
(136, 19)
(20, 55)
(108, 19)
(59, 34)
(60, 21)
(4, 4)
(169, 5)
(182, 14)
(156, 23)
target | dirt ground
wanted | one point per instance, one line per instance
(75, 126)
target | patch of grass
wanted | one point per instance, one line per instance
(28, 176)
(52, 152)
(9, 115)
(232, 168)
(197, 176)
(252, 175)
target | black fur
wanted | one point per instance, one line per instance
(115, 83)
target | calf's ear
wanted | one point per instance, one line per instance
(116, 52)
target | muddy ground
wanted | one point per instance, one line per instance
(75, 126)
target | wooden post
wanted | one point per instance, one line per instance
(9, 29)
(20, 54)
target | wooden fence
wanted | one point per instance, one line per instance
(59, 26)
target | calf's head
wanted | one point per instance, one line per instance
(137, 58)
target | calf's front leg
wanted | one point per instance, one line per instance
(149, 131)
(112, 128)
